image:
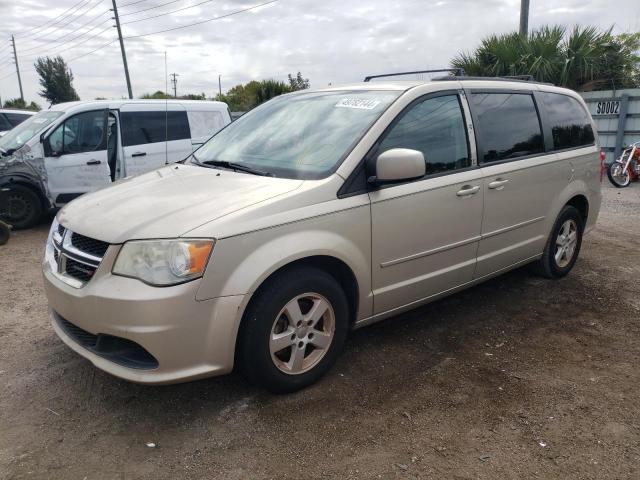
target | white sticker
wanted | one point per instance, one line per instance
(359, 103)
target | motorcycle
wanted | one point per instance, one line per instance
(625, 169)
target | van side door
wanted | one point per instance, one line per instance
(425, 232)
(76, 156)
(153, 135)
(521, 178)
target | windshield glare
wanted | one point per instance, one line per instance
(302, 136)
(18, 136)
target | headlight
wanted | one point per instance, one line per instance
(163, 262)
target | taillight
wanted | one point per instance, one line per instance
(603, 157)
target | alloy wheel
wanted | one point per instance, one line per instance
(302, 333)
(566, 243)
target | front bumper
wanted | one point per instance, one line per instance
(190, 339)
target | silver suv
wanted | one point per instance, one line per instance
(316, 213)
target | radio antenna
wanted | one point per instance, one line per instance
(166, 111)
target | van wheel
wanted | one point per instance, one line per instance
(293, 330)
(563, 245)
(20, 207)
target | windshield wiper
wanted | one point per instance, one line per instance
(238, 167)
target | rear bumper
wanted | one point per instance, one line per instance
(188, 339)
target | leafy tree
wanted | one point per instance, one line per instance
(581, 59)
(158, 94)
(21, 104)
(245, 97)
(56, 80)
(298, 82)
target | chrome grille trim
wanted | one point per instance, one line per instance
(63, 250)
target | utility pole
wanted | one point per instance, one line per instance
(174, 83)
(124, 55)
(220, 85)
(15, 59)
(524, 17)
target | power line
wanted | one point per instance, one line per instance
(131, 3)
(62, 17)
(167, 13)
(203, 21)
(58, 52)
(72, 31)
(150, 8)
(67, 23)
(55, 18)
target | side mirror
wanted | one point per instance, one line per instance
(398, 164)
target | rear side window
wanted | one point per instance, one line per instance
(507, 124)
(570, 123)
(16, 118)
(204, 124)
(139, 128)
(435, 127)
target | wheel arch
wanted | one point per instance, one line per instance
(8, 181)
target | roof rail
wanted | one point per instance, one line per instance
(513, 78)
(456, 72)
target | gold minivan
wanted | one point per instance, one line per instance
(318, 212)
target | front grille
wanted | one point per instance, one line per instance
(78, 270)
(116, 349)
(76, 256)
(94, 247)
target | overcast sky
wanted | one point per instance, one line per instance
(333, 41)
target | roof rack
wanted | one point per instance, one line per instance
(457, 72)
(513, 78)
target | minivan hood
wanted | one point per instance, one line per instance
(168, 202)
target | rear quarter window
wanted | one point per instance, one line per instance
(569, 121)
(139, 128)
(205, 124)
(507, 124)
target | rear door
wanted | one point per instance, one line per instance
(153, 135)
(76, 156)
(521, 178)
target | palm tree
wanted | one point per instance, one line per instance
(584, 57)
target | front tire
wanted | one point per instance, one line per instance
(563, 246)
(618, 175)
(20, 207)
(293, 330)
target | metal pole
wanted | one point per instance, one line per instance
(524, 17)
(220, 84)
(124, 55)
(15, 58)
(174, 83)
(622, 123)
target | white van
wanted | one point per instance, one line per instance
(78, 147)
(10, 118)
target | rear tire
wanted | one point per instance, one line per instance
(618, 176)
(563, 246)
(293, 330)
(20, 207)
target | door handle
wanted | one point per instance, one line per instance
(498, 184)
(468, 190)
(139, 154)
(94, 162)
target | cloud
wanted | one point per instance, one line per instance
(332, 41)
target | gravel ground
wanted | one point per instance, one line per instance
(517, 378)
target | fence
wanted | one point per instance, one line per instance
(617, 117)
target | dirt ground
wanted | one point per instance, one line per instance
(517, 378)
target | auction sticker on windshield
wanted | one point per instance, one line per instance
(359, 103)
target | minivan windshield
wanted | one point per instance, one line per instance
(304, 135)
(18, 136)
